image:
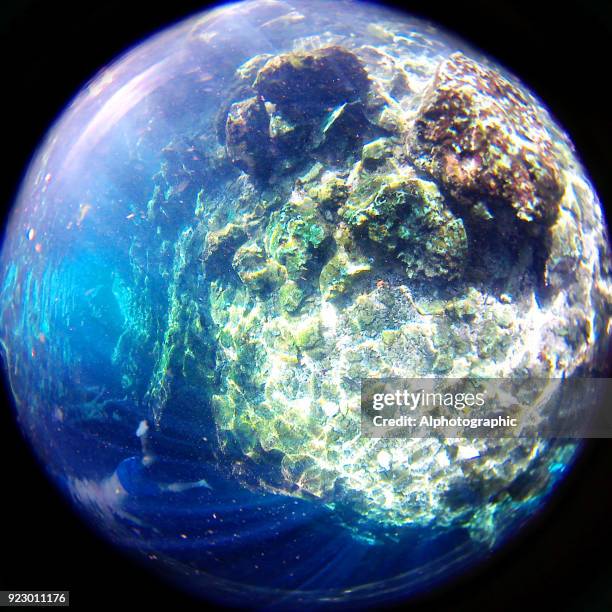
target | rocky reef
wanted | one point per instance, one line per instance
(302, 84)
(408, 216)
(247, 136)
(487, 143)
(300, 102)
(383, 212)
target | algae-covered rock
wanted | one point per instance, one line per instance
(408, 216)
(486, 140)
(436, 241)
(375, 205)
(329, 192)
(224, 409)
(281, 130)
(307, 333)
(345, 267)
(247, 137)
(390, 336)
(466, 307)
(374, 153)
(312, 174)
(339, 274)
(258, 272)
(290, 296)
(493, 339)
(249, 69)
(293, 236)
(221, 245)
(364, 311)
(304, 83)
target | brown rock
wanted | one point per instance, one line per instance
(305, 83)
(247, 137)
(486, 143)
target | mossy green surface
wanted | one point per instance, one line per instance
(290, 296)
(408, 217)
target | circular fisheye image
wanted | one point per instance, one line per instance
(238, 226)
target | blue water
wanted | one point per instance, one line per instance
(89, 281)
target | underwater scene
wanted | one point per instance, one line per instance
(235, 224)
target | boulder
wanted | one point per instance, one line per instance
(487, 143)
(247, 137)
(303, 84)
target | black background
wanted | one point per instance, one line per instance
(563, 52)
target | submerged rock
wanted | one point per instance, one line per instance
(221, 245)
(258, 272)
(304, 83)
(340, 273)
(247, 137)
(365, 261)
(374, 153)
(247, 71)
(290, 296)
(486, 141)
(304, 101)
(408, 217)
(435, 239)
(294, 235)
(329, 192)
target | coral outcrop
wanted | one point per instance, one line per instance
(388, 221)
(247, 137)
(302, 103)
(486, 142)
(303, 84)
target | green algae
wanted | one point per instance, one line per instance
(329, 193)
(408, 216)
(257, 271)
(339, 274)
(374, 153)
(293, 236)
(290, 296)
(307, 333)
